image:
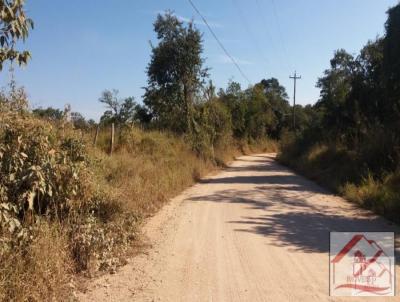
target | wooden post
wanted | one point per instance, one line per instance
(112, 139)
(295, 77)
(96, 135)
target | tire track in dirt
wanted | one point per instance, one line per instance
(254, 232)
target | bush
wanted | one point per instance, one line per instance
(43, 174)
(212, 129)
(54, 219)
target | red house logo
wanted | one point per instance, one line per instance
(362, 264)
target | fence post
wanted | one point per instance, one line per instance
(112, 139)
(96, 135)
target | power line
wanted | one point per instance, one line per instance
(219, 42)
(250, 34)
(266, 31)
(279, 30)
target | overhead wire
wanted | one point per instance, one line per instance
(219, 42)
(280, 33)
(266, 31)
(250, 34)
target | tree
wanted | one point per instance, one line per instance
(392, 65)
(260, 119)
(212, 127)
(273, 89)
(234, 99)
(127, 111)
(278, 98)
(336, 85)
(143, 116)
(79, 121)
(50, 113)
(14, 26)
(357, 118)
(175, 73)
(368, 83)
(119, 111)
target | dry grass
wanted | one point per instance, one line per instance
(145, 170)
(41, 271)
(382, 196)
(149, 167)
(329, 165)
(342, 171)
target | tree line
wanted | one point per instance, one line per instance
(359, 105)
(352, 142)
(181, 98)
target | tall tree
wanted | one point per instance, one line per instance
(175, 73)
(48, 113)
(336, 85)
(274, 89)
(392, 63)
(120, 111)
(14, 25)
(234, 99)
(260, 119)
(278, 98)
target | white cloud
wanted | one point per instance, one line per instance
(224, 59)
(187, 20)
(197, 22)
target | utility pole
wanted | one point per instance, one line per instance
(295, 77)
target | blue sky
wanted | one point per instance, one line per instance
(80, 48)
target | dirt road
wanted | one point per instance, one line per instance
(254, 232)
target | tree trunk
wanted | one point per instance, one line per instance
(188, 107)
(112, 139)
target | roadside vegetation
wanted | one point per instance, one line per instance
(73, 196)
(352, 142)
(71, 201)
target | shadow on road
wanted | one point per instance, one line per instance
(293, 222)
(280, 208)
(305, 231)
(262, 179)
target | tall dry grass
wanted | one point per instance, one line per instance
(380, 195)
(347, 172)
(40, 271)
(148, 167)
(144, 171)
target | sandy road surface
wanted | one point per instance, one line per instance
(254, 232)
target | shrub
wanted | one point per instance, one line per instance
(43, 174)
(49, 201)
